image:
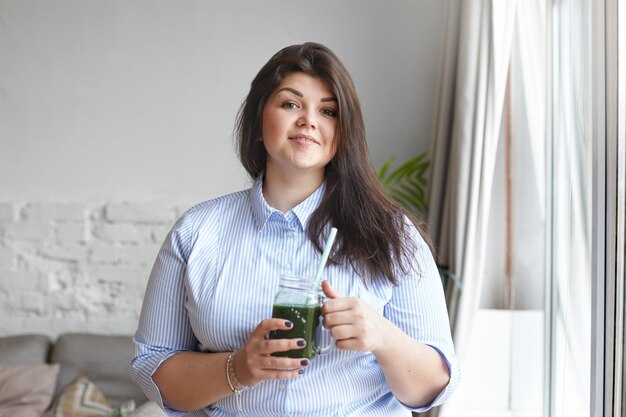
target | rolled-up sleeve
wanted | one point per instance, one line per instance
(418, 307)
(164, 328)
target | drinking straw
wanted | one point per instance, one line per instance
(329, 244)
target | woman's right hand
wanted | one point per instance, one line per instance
(254, 363)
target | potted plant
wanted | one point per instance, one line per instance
(406, 184)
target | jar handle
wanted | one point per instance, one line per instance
(318, 350)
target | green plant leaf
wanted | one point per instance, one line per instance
(406, 183)
(385, 167)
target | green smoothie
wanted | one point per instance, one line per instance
(305, 320)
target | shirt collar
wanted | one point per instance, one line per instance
(263, 211)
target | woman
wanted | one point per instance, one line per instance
(201, 342)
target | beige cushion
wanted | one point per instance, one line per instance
(26, 390)
(80, 399)
(105, 360)
(148, 409)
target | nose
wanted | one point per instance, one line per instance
(307, 119)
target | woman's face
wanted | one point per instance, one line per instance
(298, 128)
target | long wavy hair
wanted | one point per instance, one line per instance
(373, 235)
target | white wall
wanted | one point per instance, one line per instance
(503, 371)
(114, 115)
(136, 100)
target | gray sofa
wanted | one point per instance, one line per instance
(104, 359)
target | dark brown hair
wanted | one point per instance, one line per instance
(373, 235)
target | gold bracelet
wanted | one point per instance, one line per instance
(234, 383)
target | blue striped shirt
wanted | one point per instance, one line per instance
(214, 280)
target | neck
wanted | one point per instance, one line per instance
(284, 192)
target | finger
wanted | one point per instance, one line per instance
(330, 291)
(279, 368)
(351, 344)
(269, 346)
(343, 332)
(340, 304)
(268, 325)
(273, 363)
(282, 374)
(337, 315)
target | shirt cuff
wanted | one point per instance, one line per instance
(454, 372)
(143, 370)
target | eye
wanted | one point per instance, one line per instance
(289, 105)
(329, 112)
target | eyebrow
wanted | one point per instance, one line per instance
(299, 94)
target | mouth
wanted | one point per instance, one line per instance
(304, 139)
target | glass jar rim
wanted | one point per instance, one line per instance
(299, 282)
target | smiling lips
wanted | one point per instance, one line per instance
(304, 139)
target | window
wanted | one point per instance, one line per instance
(569, 301)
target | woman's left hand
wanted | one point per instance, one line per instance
(352, 323)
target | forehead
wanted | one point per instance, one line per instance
(306, 84)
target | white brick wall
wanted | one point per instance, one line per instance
(77, 267)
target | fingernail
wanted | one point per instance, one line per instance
(304, 362)
(301, 371)
(288, 324)
(301, 342)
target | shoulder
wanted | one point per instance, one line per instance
(419, 255)
(418, 237)
(210, 214)
(205, 210)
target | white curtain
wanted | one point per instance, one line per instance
(571, 205)
(467, 128)
(466, 131)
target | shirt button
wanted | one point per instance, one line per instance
(288, 265)
(282, 386)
